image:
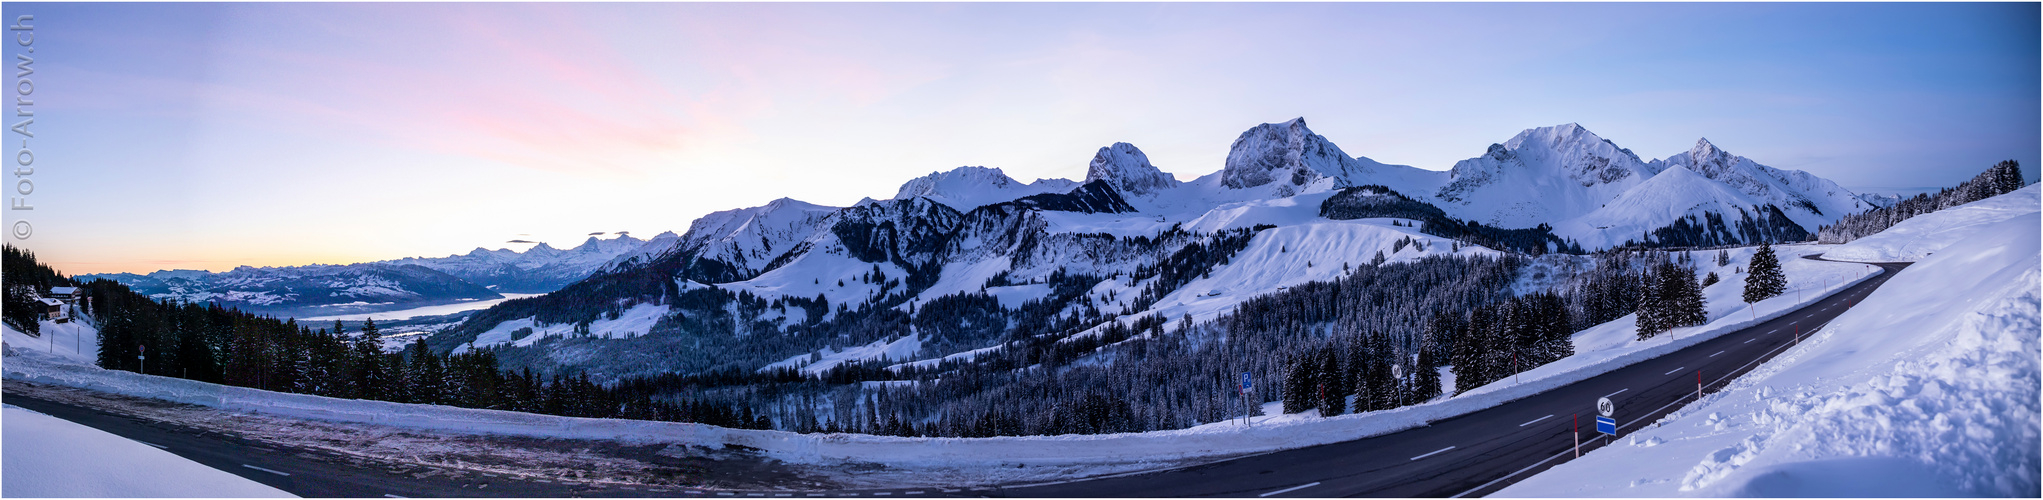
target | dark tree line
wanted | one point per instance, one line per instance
(23, 281)
(2002, 178)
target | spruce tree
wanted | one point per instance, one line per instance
(1765, 280)
(1685, 301)
(1300, 382)
(1426, 374)
(1651, 313)
(1333, 395)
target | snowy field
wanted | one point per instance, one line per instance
(1929, 388)
(51, 457)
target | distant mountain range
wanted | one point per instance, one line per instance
(1127, 241)
(326, 290)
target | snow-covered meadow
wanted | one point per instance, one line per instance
(1929, 388)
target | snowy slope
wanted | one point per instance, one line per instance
(1916, 238)
(51, 457)
(1288, 256)
(1653, 204)
(633, 322)
(1927, 388)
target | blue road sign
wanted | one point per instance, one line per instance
(1246, 384)
(1606, 425)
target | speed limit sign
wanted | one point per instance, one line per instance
(1605, 407)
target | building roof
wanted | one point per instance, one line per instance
(51, 302)
(63, 290)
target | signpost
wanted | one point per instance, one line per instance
(1604, 423)
(1248, 385)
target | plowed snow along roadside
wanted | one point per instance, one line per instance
(51, 457)
(1928, 388)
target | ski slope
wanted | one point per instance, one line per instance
(1928, 388)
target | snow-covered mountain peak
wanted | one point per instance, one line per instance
(1540, 175)
(750, 238)
(1292, 159)
(1703, 149)
(1810, 200)
(1124, 166)
(542, 250)
(969, 187)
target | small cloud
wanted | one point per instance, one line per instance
(622, 233)
(598, 233)
(520, 241)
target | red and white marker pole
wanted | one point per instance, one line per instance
(1578, 435)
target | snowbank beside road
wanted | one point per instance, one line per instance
(51, 457)
(1930, 388)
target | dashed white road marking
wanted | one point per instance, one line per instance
(1291, 489)
(1676, 370)
(280, 473)
(1619, 391)
(1536, 420)
(1715, 355)
(1435, 452)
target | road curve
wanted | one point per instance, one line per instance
(1484, 451)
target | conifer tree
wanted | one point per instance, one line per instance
(1333, 393)
(1651, 313)
(1686, 307)
(1426, 375)
(1765, 280)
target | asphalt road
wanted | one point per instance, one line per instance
(1485, 451)
(1468, 455)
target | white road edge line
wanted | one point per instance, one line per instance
(1619, 391)
(1508, 476)
(272, 471)
(1536, 420)
(1288, 490)
(1676, 370)
(1435, 452)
